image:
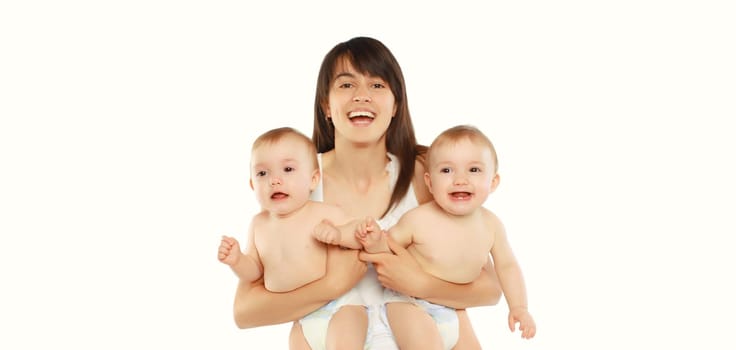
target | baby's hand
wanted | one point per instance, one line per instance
(326, 232)
(526, 323)
(365, 228)
(229, 252)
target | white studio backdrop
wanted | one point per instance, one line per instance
(126, 129)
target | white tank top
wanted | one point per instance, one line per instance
(369, 287)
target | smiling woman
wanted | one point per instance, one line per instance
(129, 124)
(371, 166)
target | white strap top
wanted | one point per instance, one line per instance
(392, 217)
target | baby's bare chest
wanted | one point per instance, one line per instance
(454, 246)
(289, 243)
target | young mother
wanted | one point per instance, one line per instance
(371, 166)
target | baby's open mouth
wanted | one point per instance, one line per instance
(461, 195)
(279, 195)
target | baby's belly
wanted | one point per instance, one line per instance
(456, 271)
(287, 278)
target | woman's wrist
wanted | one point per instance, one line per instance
(423, 286)
(334, 285)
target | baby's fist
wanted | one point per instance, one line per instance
(229, 251)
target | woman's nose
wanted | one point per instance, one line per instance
(361, 95)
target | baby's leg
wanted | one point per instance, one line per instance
(466, 339)
(296, 338)
(347, 328)
(413, 328)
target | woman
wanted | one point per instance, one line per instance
(371, 166)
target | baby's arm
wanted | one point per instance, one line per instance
(342, 235)
(376, 241)
(512, 282)
(246, 266)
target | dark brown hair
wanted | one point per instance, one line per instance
(370, 57)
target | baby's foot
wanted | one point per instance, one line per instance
(374, 242)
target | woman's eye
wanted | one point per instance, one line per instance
(345, 85)
(378, 86)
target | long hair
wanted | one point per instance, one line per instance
(371, 57)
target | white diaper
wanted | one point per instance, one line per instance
(314, 325)
(445, 317)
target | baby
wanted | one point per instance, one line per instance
(286, 239)
(451, 236)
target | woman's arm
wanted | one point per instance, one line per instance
(255, 306)
(401, 272)
(485, 290)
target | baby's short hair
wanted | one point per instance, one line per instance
(275, 135)
(460, 132)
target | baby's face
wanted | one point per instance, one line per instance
(461, 176)
(282, 175)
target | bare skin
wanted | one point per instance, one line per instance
(399, 270)
(292, 230)
(255, 306)
(451, 237)
(355, 179)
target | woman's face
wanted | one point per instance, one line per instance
(361, 106)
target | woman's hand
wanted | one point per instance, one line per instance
(399, 270)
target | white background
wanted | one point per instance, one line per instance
(126, 127)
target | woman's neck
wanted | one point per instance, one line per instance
(361, 163)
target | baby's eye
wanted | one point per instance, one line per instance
(288, 169)
(445, 170)
(260, 173)
(475, 169)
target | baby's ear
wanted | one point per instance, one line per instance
(315, 180)
(495, 181)
(428, 182)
